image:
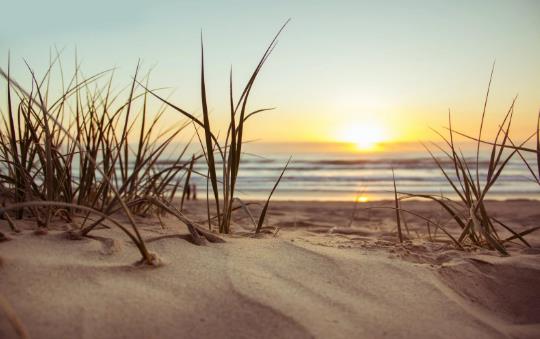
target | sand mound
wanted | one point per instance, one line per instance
(327, 283)
(246, 288)
(508, 287)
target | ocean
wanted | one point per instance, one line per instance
(347, 176)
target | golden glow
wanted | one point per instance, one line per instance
(362, 198)
(365, 137)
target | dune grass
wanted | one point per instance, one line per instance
(69, 156)
(478, 226)
(72, 156)
(227, 153)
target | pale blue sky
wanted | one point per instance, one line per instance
(398, 63)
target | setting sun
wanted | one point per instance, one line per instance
(365, 136)
(362, 198)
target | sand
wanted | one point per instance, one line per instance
(318, 275)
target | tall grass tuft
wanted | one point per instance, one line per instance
(69, 156)
(478, 226)
(229, 152)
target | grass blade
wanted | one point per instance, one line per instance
(265, 208)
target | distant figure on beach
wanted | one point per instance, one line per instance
(194, 190)
(188, 191)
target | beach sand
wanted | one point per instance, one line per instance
(312, 273)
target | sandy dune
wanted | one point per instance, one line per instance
(317, 277)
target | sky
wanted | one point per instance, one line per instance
(387, 71)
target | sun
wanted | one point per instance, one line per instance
(362, 198)
(365, 137)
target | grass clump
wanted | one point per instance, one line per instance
(478, 226)
(227, 153)
(69, 156)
